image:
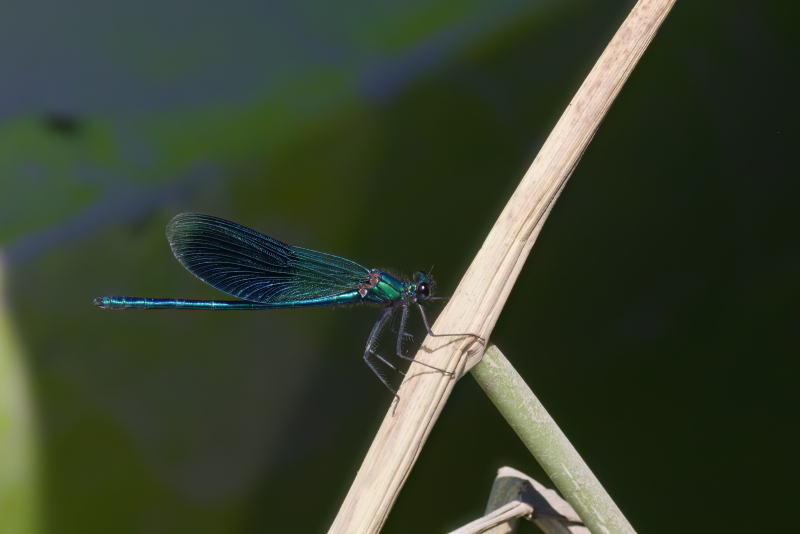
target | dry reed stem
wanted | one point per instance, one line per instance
(483, 291)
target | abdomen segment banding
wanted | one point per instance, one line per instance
(143, 303)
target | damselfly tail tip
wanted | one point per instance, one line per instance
(99, 302)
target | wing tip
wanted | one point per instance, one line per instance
(177, 224)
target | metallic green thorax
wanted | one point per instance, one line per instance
(384, 287)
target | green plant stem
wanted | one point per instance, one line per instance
(18, 443)
(548, 444)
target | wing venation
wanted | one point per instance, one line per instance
(252, 266)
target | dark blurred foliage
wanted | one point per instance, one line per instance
(657, 316)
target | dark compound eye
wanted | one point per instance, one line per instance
(423, 291)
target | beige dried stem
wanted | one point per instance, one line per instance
(483, 291)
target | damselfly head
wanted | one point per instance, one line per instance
(423, 286)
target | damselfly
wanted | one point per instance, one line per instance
(267, 274)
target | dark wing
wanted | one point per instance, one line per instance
(249, 265)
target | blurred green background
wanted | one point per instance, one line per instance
(657, 317)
